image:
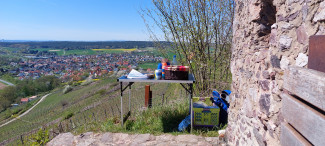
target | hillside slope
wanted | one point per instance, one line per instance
(94, 102)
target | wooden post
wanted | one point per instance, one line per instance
(73, 126)
(60, 128)
(21, 139)
(105, 114)
(94, 117)
(147, 95)
(129, 97)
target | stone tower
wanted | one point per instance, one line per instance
(268, 36)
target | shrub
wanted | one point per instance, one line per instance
(68, 116)
(41, 138)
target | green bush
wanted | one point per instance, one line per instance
(68, 116)
(40, 139)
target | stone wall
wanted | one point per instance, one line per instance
(269, 36)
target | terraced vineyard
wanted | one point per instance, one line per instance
(85, 104)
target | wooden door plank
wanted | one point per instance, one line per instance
(290, 137)
(308, 121)
(306, 83)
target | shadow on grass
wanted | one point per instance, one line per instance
(171, 119)
(126, 116)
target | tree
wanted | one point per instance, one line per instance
(201, 33)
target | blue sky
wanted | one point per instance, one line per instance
(81, 20)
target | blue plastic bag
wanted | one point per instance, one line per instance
(183, 125)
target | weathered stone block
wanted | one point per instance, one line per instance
(284, 62)
(62, 139)
(259, 137)
(187, 138)
(292, 1)
(266, 74)
(254, 11)
(285, 42)
(264, 85)
(286, 26)
(293, 16)
(275, 61)
(320, 15)
(301, 60)
(302, 36)
(273, 34)
(265, 103)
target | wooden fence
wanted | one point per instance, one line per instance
(303, 107)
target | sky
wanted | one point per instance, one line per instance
(73, 20)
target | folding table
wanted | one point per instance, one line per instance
(189, 82)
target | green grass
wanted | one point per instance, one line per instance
(9, 78)
(160, 119)
(157, 120)
(148, 65)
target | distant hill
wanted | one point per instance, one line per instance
(77, 45)
(71, 45)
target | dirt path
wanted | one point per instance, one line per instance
(26, 111)
(10, 84)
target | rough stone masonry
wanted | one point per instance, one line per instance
(269, 36)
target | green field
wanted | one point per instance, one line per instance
(68, 52)
(148, 65)
(113, 51)
(11, 49)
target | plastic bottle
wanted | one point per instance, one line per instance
(163, 70)
(174, 60)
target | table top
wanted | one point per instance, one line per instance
(190, 80)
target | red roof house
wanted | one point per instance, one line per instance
(24, 100)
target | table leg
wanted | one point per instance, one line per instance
(129, 98)
(191, 97)
(121, 104)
